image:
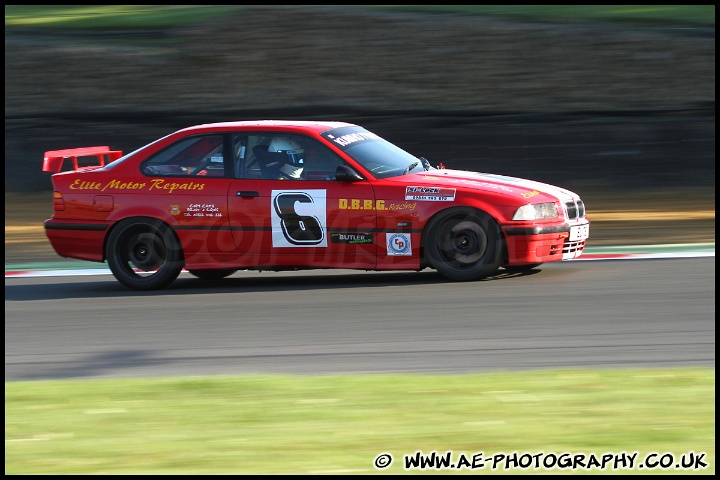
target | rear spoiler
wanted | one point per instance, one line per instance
(55, 159)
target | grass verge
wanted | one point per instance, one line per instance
(339, 424)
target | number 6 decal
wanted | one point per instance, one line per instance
(298, 218)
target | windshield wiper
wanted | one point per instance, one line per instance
(412, 165)
(426, 163)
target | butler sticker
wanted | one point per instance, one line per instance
(351, 238)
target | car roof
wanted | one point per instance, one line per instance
(289, 125)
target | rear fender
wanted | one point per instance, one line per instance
(140, 217)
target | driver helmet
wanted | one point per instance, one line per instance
(294, 152)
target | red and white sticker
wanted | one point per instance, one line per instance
(398, 244)
(430, 194)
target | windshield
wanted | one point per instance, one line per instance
(377, 155)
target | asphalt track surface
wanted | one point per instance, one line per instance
(597, 314)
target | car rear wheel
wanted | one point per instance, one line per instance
(464, 244)
(144, 254)
(213, 274)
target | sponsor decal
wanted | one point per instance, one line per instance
(174, 209)
(85, 185)
(402, 206)
(298, 218)
(559, 193)
(156, 184)
(359, 204)
(370, 204)
(398, 244)
(350, 138)
(351, 238)
(530, 194)
(170, 187)
(202, 210)
(434, 194)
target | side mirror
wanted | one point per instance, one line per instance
(344, 173)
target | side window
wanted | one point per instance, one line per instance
(199, 156)
(240, 153)
(320, 162)
(287, 157)
(247, 162)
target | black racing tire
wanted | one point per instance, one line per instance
(144, 253)
(522, 268)
(463, 244)
(211, 274)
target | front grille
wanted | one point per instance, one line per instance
(575, 210)
(575, 248)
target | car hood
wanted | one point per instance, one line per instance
(519, 188)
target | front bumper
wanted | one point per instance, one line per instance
(541, 244)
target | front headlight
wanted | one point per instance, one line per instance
(536, 211)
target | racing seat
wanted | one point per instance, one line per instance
(269, 162)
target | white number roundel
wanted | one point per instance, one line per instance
(298, 218)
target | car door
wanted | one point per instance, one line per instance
(311, 221)
(190, 179)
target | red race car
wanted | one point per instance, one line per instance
(291, 195)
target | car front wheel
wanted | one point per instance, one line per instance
(464, 244)
(144, 254)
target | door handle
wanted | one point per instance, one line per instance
(247, 194)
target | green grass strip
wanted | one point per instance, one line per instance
(276, 424)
